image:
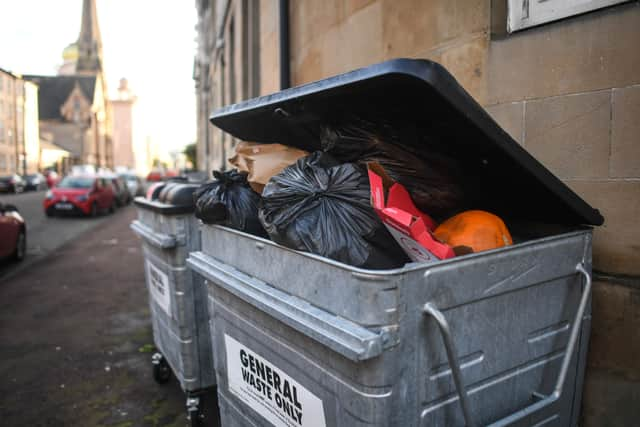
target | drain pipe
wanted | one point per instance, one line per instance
(285, 71)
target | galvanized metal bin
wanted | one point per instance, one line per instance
(177, 297)
(498, 337)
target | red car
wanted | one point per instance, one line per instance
(81, 195)
(155, 176)
(14, 233)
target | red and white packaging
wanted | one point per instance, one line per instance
(410, 227)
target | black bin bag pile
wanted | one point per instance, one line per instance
(320, 206)
(316, 205)
(229, 201)
(321, 203)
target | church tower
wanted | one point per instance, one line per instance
(122, 110)
(89, 42)
(73, 105)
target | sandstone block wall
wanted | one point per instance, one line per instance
(569, 92)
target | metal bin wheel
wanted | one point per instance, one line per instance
(161, 369)
(194, 411)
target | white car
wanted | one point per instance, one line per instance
(134, 184)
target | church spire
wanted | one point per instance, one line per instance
(89, 41)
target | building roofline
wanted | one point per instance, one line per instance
(14, 75)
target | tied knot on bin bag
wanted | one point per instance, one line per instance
(321, 206)
(229, 201)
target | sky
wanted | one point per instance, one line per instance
(149, 42)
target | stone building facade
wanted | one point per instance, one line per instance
(122, 115)
(568, 91)
(74, 109)
(226, 69)
(19, 132)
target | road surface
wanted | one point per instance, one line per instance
(44, 235)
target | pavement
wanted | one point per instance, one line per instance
(76, 340)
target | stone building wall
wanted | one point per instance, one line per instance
(226, 69)
(19, 140)
(8, 116)
(122, 132)
(78, 140)
(31, 127)
(569, 92)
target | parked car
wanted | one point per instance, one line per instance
(155, 176)
(11, 184)
(35, 182)
(83, 170)
(196, 176)
(123, 196)
(13, 230)
(134, 184)
(52, 178)
(85, 195)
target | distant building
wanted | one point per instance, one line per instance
(122, 109)
(70, 59)
(53, 156)
(73, 105)
(19, 133)
(31, 147)
(227, 69)
(89, 42)
(73, 111)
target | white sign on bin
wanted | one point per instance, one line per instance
(270, 391)
(159, 286)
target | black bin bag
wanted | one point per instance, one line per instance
(229, 201)
(432, 177)
(320, 206)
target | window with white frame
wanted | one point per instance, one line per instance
(523, 14)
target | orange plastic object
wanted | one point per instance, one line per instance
(477, 230)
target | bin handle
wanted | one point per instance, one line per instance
(430, 309)
(159, 240)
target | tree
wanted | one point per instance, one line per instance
(191, 152)
(157, 163)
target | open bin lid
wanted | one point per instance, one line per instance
(507, 180)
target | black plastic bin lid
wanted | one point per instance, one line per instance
(506, 179)
(175, 198)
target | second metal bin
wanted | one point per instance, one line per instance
(497, 337)
(177, 297)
